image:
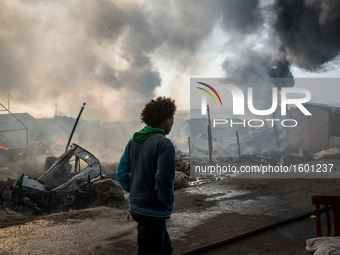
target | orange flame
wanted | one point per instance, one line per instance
(4, 148)
(47, 152)
(61, 143)
(5, 168)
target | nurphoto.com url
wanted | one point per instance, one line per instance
(264, 168)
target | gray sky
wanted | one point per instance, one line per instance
(117, 55)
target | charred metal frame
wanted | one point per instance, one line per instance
(17, 129)
(49, 189)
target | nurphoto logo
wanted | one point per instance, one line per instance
(280, 97)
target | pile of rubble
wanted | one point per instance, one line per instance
(73, 180)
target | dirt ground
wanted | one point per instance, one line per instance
(204, 214)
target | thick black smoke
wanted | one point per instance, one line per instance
(309, 31)
(303, 33)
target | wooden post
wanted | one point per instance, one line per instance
(189, 148)
(276, 133)
(238, 146)
(274, 126)
(209, 136)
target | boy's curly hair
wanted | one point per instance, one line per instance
(158, 110)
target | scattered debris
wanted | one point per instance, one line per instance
(181, 180)
(27, 202)
(182, 162)
(289, 159)
(326, 153)
(68, 181)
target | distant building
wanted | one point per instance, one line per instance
(317, 132)
(14, 130)
(8, 121)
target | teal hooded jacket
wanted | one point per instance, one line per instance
(146, 170)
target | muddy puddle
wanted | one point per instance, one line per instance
(228, 199)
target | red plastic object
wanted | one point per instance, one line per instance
(328, 202)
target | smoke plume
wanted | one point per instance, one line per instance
(55, 55)
(300, 33)
(103, 52)
(308, 31)
(100, 52)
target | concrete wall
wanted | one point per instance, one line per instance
(312, 132)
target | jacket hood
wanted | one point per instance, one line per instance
(144, 133)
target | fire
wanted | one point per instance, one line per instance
(4, 148)
(40, 141)
(47, 152)
(5, 168)
(60, 143)
(20, 154)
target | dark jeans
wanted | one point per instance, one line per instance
(152, 238)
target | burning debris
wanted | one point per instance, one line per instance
(67, 182)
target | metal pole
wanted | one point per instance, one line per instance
(74, 127)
